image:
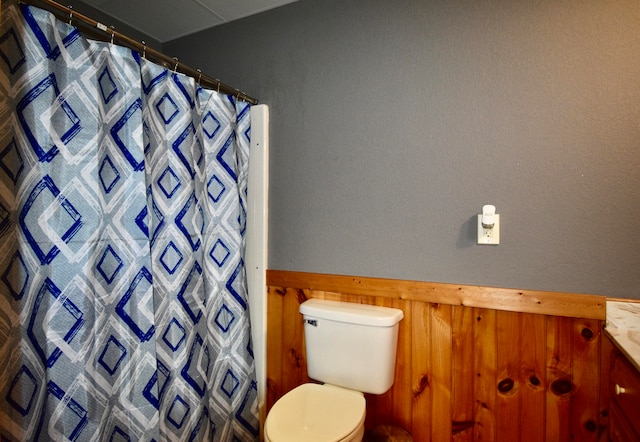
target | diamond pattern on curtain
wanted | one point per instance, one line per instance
(123, 307)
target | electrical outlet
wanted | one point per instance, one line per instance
(489, 236)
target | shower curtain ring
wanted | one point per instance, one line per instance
(70, 13)
(113, 32)
(175, 68)
(144, 49)
(218, 85)
(199, 75)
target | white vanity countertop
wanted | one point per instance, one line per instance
(623, 326)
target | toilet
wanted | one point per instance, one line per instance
(351, 349)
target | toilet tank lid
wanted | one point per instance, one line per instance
(364, 314)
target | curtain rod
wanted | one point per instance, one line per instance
(145, 51)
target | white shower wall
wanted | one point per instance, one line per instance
(256, 246)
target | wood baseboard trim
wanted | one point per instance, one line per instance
(574, 305)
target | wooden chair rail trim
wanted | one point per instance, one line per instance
(572, 305)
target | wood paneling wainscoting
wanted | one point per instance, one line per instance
(474, 363)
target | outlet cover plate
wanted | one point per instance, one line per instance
(489, 236)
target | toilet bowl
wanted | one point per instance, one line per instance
(317, 413)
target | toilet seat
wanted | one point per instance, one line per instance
(316, 413)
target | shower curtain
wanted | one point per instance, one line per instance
(123, 307)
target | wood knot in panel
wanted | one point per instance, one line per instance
(534, 380)
(560, 387)
(423, 384)
(587, 333)
(590, 426)
(506, 385)
(458, 427)
(295, 358)
(301, 296)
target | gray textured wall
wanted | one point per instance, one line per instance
(394, 121)
(93, 13)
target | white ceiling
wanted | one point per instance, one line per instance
(166, 20)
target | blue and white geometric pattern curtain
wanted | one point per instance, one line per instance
(123, 305)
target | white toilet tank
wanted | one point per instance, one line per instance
(351, 345)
